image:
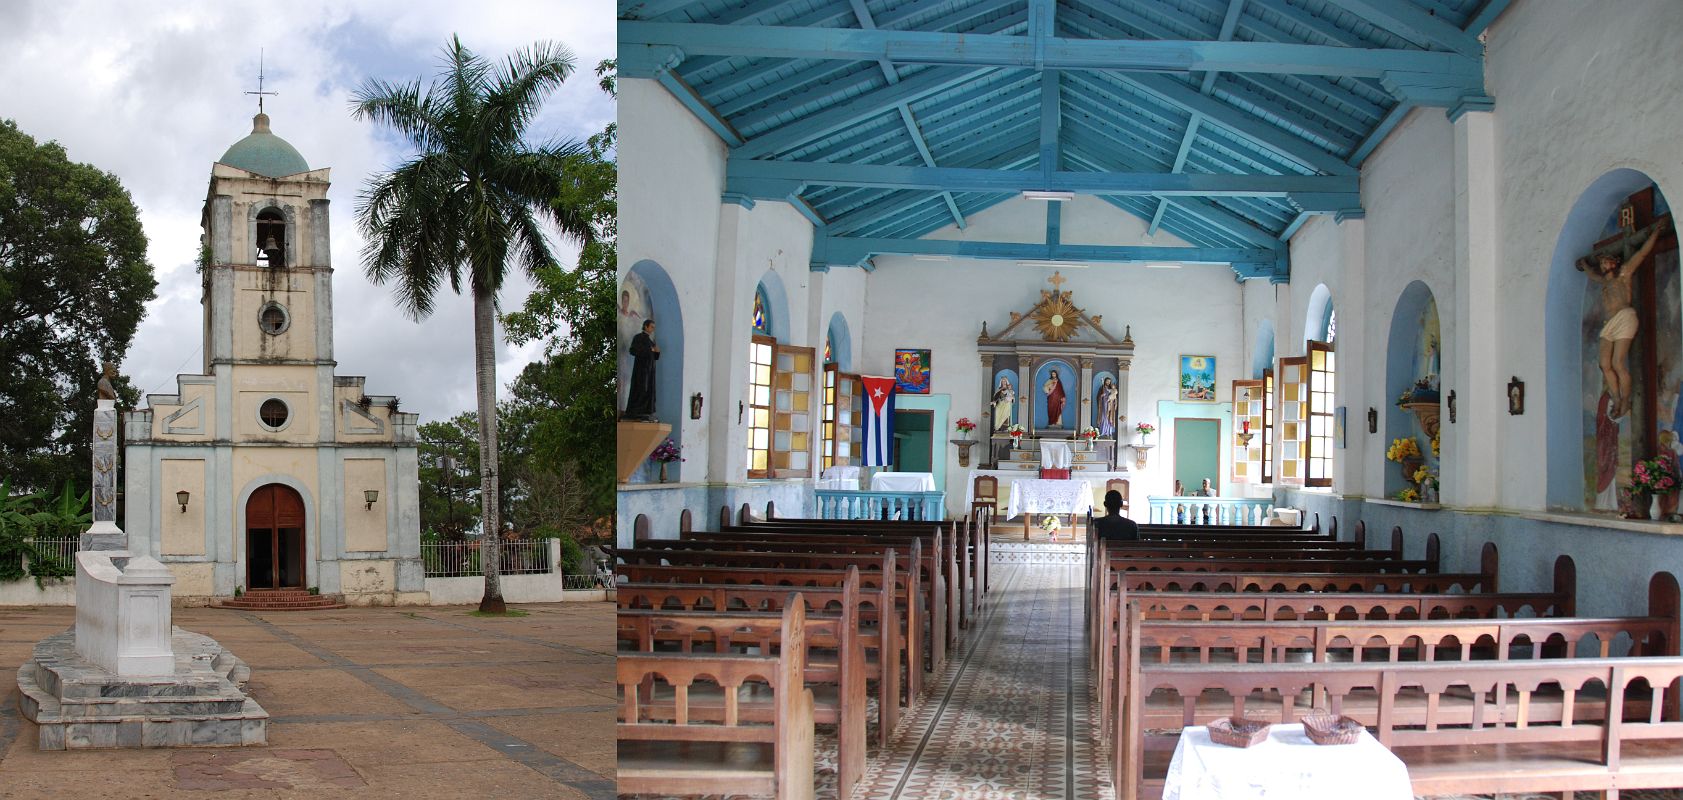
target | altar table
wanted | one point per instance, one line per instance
(1037, 496)
(1286, 765)
(903, 482)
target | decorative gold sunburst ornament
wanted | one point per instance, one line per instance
(1056, 318)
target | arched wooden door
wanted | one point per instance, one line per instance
(274, 538)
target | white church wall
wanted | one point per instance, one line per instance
(1195, 310)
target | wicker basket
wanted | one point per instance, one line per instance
(1238, 731)
(1324, 728)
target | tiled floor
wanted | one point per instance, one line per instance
(1010, 716)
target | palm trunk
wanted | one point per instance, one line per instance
(485, 375)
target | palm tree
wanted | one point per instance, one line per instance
(466, 207)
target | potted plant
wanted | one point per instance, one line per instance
(665, 453)
(964, 426)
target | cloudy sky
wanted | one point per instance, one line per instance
(150, 91)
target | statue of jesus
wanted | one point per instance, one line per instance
(1620, 326)
(1054, 389)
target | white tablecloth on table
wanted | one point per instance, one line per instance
(1040, 496)
(1055, 454)
(844, 478)
(903, 482)
(1287, 765)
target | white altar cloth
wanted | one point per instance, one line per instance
(1286, 765)
(1037, 496)
(903, 482)
(845, 478)
(1055, 454)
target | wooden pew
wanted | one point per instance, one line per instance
(696, 757)
(881, 605)
(832, 627)
(934, 612)
(1509, 748)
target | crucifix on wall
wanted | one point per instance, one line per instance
(1621, 265)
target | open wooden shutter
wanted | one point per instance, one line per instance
(1293, 409)
(1247, 413)
(1320, 400)
(1268, 436)
(791, 418)
(847, 419)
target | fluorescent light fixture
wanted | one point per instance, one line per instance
(1036, 194)
(931, 257)
(1162, 266)
(1063, 264)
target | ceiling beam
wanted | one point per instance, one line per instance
(926, 47)
(843, 251)
(860, 108)
(1228, 23)
(1409, 22)
(758, 177)
(1481, 19)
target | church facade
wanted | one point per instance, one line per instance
(268, 470)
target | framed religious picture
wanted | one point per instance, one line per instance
(1197, 378)
(911, 371)
(1516, 396)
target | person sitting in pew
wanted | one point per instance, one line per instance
(1113, 526)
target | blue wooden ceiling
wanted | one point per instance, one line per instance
(880, 130)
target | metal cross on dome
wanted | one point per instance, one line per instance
(260, 93)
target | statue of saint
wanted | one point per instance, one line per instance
(1107, 409)
(1054, 389)
(1620, 326)
(640, 404)
(1004, 405)
(107, 391)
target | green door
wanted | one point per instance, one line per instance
(1198, 453)
(913, 441)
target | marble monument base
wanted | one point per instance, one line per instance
(81, 705)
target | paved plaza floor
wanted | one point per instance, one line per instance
(409, 703)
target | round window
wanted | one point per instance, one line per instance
(274, 413)
(273, 319)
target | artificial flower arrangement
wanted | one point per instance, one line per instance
(667, 452)
(1424, 390)
(1016, 431)
(1144, 429)
(1409, 495)
(1051, 524)
(1657, 475)
(1435, 447)
(1089, 433)
(1425, 477)
(964, 425)
(1401, 448)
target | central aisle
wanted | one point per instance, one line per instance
(1011, 717)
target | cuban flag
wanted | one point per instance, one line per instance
(879, 420)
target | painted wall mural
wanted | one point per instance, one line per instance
(633, 311)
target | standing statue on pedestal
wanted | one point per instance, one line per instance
(1619, 329)
(1054, 389)
(1107, 409)
(640, 404)
(1004, 403)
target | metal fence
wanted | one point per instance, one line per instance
(461, 559)
(59, 549)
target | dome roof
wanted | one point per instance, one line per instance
(265, 153)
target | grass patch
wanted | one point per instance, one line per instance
(513, 612)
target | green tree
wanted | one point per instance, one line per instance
(74, 281)
(449, 470)
(467, 207)
(567, 399)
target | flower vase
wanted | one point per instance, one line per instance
(1654, 511)
(1668, 506)
(1639, 505)
(663, 472)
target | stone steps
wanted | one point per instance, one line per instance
(280, 600)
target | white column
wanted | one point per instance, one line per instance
(1025, 392)
(727, 456)
(1353, 384)
(1471, 365)
(1085, 415)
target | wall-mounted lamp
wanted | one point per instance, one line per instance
(372, 496)
(182, 497)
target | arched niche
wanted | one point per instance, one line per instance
(1318, 315)
(1262, 357)
(1070, 377)
(776, 300)
(1413, 352)
(647, 292)
(1583, 474)
(840, 340)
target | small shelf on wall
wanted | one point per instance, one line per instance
(1428, 414)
